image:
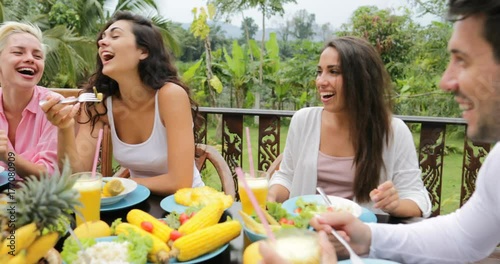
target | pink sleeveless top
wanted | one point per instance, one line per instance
(336, 175)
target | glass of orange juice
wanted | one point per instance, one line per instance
(259, 187)
(89, 188)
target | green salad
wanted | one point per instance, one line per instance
(132, 246)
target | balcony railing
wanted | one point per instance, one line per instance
(431, 147)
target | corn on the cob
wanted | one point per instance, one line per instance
(40, 247)
(160, 229)
(205, 240)
(207, 216)
(159, 251)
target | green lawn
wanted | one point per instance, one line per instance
(452, 170)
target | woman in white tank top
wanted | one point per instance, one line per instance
(149, 110)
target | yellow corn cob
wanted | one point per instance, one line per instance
(207, 216)
(205, 240)
(20, 258)
(40, 247)
(23, 237)
(160, 229)
(160, 249)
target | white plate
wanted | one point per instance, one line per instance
(338, 202)
(129, 185)
(139, 195)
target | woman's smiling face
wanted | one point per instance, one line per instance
(118, 49)
(329, 80)
(22, 61)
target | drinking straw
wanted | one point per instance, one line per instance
(250, 156)
(97, 149)
(255, 204)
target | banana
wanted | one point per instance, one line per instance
(20, 258)
(20, 239)
(5, 258)
(40, 247)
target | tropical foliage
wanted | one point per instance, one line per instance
(226, 72)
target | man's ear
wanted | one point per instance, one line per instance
(144, 54)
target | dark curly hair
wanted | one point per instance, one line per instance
(155, 70)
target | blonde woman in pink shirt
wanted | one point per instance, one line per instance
(28, 141)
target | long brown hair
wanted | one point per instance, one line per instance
(366, 89)
(156, 70)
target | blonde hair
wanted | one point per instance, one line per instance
(10, 27)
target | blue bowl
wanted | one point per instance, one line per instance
(252, 236)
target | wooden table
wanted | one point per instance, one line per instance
(234, 253)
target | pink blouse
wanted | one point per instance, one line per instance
(36, 137)
(336, 175)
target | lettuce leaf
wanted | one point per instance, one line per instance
(138, 246)
(276, 211)
(71, 248)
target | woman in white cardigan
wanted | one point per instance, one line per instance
(352, 146)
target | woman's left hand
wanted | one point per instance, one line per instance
(385, 197)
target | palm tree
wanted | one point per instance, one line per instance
(149, 9)
(70, 27)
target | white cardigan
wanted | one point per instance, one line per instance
(298, 169)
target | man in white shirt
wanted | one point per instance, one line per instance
(472, 232)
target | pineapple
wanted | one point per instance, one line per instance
(48, 201)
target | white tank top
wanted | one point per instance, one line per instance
(148, 158)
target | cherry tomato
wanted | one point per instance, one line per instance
(183, 218)
(147, 226)
(290, 222)
(174, 235)
(283, 221)
(298, 210)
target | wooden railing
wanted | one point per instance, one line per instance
(431, 147)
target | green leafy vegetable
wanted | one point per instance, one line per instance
(71, 248)
(138, 246)
(276, 211)
(172, 220)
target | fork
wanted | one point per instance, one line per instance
(355, 259)
(84, 97)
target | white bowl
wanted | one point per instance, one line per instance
(129, 185)
(339, 203)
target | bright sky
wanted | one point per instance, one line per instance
(335, 12)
